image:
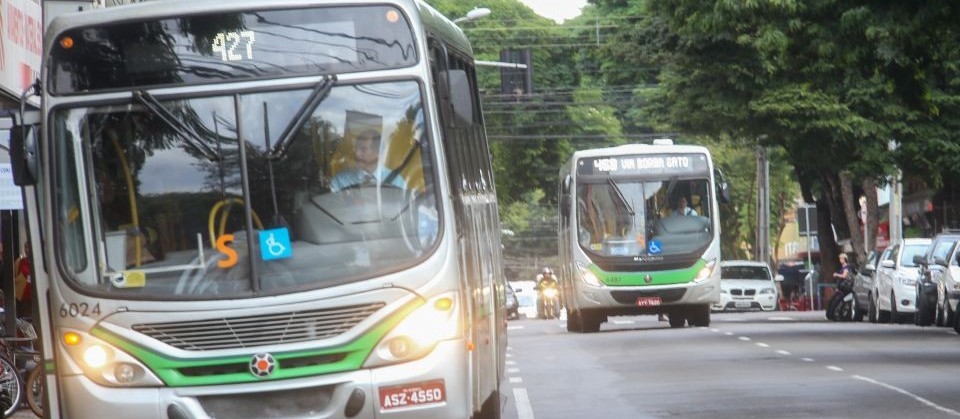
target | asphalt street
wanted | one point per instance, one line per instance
(745, 365)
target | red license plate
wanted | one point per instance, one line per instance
(413, 394)
(648, 301)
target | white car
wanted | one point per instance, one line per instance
(894, 293)
(746, 285)
(527, 297)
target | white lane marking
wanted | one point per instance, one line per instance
(744, 338)
(509, 355)
(806, 359)
(909, 394)
(515, 380)
(714, 330)
(513, 370)
(783, 352)
(511, 362)
(524, 409)
(729, 333)
(623, 322)
(509, 348)
(780, 319)
(762, 345)
(834, 368)
(514, 327)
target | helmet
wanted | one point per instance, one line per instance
(547, 271)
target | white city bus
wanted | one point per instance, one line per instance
(639, 234)
(213, 238)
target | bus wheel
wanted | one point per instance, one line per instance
(700, 316)
(590, 321)
(573, 321)
(678, 318)
(490, 408)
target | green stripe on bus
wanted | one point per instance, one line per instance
(670, 277)
(169, 369)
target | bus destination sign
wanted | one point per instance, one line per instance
(647, 164)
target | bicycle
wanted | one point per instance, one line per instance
(12, 370)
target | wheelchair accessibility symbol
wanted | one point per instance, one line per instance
(654, 247)
(275, 244)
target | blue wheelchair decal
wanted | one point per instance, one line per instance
(275, 244)
(654, 247)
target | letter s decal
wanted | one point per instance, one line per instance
(222, 245)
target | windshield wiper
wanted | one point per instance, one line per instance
(185, 131)
(303, 114)
(619, 193)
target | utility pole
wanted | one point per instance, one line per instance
(763, 206)
(896, 208)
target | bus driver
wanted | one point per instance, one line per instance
(367, 169)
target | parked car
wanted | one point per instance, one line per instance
(948, 296)
(746, 285)
(932, 266)
(512, 304)
(863, 285)
(894, 295)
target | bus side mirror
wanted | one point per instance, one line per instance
(723, 189)
(564, 205)
(23, 149)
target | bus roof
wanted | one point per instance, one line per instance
(627, 149)
(429, 17)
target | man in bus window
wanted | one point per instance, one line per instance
(367, 168)
(682, 208)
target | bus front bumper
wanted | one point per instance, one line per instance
(636, 299)
(357, 394)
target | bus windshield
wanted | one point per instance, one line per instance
(185, 201)
(628, 217)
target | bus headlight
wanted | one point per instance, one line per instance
(588, 276)
(706, 271)
(104, 364)
(418, 333)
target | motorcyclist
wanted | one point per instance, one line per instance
(547, 289)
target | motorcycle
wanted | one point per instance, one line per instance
(549, 303)
(842, 305)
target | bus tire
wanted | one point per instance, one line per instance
(699, 316)
(677, 318)
(573, 321)
(590, 321)
(490, 408)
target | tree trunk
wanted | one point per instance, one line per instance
(850, 214)
(828, 246)
(873, 212)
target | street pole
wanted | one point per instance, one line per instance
(763, 206)
(896, 210)
(806, 216)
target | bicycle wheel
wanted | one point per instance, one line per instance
(10, 387)
(34, 387)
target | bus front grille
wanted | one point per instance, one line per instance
(258, 330)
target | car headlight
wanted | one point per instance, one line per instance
(105, 364)
(419, 332)
(587, 276)
(706, 271)
(768, 291)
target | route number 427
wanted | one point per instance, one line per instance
(230, 45)
(79, 310)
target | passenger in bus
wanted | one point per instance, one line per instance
(367, 169)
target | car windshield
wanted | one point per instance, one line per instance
(909, 251)
(744, 272)
(202, 205)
